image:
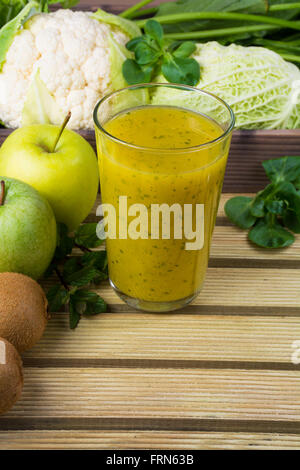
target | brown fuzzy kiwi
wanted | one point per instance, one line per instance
(23, 310)
(11, 375)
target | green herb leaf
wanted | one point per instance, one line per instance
(288, 193)
(94, 308)
(83, 295)
(131, 45)
(71, 266)
(185, 49)
(145, 54)
(134, 73)
(78, 272)
(153, 57)
(291, 220)
(271, 199)
(276, 207)
(57, 297)
(238, 210)
(82, 276)
(86, 236)
(85, 302)
(257, 208)
(268, 233)
(65, 243)
(74, 314)
(97, 259)
(283, 169)
(181, 70)
(155, 31)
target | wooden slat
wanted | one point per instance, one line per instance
(85, 440)
(241, 288)
(158, 394)
(181, 337)
(245, 287)
(233, 243)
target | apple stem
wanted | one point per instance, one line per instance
(2, 193)
(62, 128)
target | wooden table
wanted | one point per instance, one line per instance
(216, 375)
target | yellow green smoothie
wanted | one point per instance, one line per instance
(165, 163)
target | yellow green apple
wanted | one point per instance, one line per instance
(64, 172)
(27, 229)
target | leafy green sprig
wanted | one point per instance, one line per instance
(152, 56)
(76, 273)
(273, 210)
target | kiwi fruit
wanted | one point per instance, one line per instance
(11, 375)
(23, 310)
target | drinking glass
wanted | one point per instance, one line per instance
(154, 262)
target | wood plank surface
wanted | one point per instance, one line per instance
(184, 340)
(90, 440)
(241, 287)
(155, 394)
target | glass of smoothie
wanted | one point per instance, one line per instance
(162, 152)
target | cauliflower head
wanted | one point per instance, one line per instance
(71, 52)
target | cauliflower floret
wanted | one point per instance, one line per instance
(71, 51)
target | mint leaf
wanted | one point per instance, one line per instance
(57, 297)
(82, 276)
(84, 302)
(155, 31)
(185, 49)
(84, 295)
(292, 221)
(288, 192)
(152, 56)
(74, 315)
(145, 54)
(181, 70)
(97, 259)
(133, 43)
(65, 243)
(77, 273)
(238, 210)
(134, 73)
(268, 233)
(71, 266)
(94, 308)
(276, 207)
(283, 169)
(257, 208)
(86, 236)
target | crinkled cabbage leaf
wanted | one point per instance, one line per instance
(260, 86)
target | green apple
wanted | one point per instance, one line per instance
(67, 177)
(27, 229)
